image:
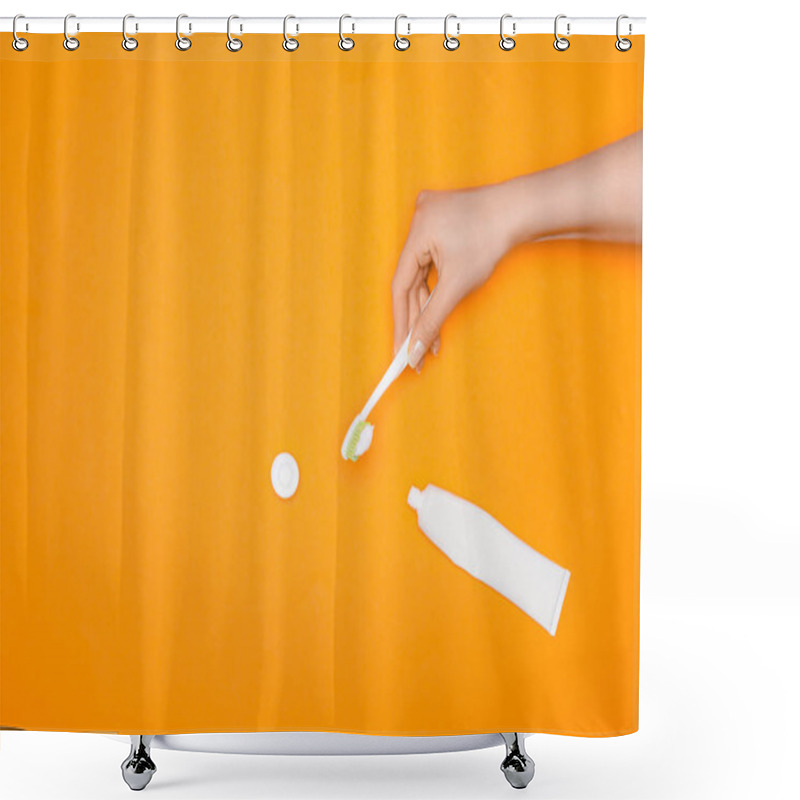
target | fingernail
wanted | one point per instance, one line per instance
(435, 348)
(416, 354)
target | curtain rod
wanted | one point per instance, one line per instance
(407, 25)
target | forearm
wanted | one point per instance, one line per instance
(597, 196)
(464, 234)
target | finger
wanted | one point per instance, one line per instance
(413, 307)
(412, 268)
(404, 277)
(424, 294)
(442, 302)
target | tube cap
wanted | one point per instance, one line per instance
(285, 475)
(415, 498)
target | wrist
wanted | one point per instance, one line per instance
(522, 214)
(502, 212)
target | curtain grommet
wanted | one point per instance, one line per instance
(17, 42)
(290, 44)
(451, 43)
(507, 42)
(346, 43)
(129, 43)
(622, 44)
(561, 43)
(233, 44)
(183, 43)
(401, 43)
(71, 43)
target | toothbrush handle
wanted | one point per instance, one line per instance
(399, 363)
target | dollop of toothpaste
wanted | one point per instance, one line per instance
(357, 440)
(365, 440)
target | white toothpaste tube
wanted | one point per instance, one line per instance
(479, 544)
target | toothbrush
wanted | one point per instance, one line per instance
(359, 434)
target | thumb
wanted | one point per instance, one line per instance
(431, 319)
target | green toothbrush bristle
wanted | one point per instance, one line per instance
(350, 450)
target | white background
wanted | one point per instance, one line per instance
(721, 442)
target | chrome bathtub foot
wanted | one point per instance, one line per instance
(517, 766)
(138, 768)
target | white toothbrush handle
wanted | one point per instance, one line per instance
(399, 363)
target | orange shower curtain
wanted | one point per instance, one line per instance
(197, 253)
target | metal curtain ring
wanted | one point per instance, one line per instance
(290, 44)
(182, 42)
(233, 44)
(507, 42)
(561, 44)
(345, 42)
(451, 42)
(128, 42)
(623, 45)
(400, 42)
(18, 43)
(70, 42)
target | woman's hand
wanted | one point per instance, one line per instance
(463, 234)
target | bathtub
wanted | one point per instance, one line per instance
(139, 767)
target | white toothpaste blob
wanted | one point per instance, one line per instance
(361, 442)
(365, 440)
(285, 475)
(480, 545)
